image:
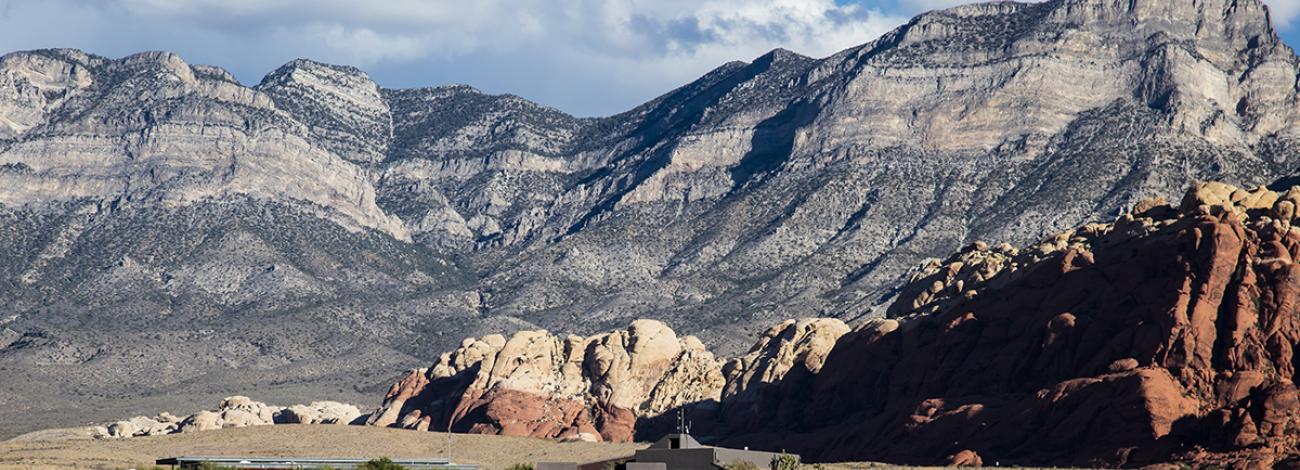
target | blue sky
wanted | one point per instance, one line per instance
(587, 57)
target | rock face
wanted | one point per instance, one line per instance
(1156, 337)
(538, 384)
(319, 224)
(785, 357)
(614, 386)
(233, 412)
(1168, 335)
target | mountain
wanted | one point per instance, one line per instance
(170, 234)
(1166, 336)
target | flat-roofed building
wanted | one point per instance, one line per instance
(682, 452)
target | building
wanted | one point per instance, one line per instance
(680, 451)
(303, 463)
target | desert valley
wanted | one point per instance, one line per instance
(1019, 234)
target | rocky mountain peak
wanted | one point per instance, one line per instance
(341, 106)
(1202, 64)
(340, 78)
(32, 83)
(782, 54)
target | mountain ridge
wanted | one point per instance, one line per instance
(411, 217)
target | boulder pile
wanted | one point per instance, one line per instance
(232, 412)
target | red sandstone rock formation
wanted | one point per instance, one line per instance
(537, 384)
(1169, 335)
(605, 387)
(1150, 340)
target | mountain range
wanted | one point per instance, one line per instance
(170, 235)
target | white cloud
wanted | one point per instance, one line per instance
(583, 56)
(610, 27)
(1285, 12)
(610, 53)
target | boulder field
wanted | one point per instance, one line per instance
(1168, 335)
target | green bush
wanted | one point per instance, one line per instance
(380, 464)
(520, 466)
(784, 461)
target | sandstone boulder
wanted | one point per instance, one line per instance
(236, 418)
(201, 421)
(121, 429)
(319, 412)
(240, 411)
(965, 458)
(235, 412)
(140, 426)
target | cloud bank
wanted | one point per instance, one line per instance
(589, 57)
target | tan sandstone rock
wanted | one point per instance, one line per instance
(201, 421)
(543, 385)
(318, 412)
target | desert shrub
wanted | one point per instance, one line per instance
(741, 465)
(213, 466)
(784, 461)
(520, 466)
(383, 463)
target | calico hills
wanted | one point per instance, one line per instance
(169, 235)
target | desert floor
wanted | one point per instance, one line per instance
(73, 448)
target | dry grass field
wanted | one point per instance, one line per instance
(73, 448)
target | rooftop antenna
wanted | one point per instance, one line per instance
(681, 422)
